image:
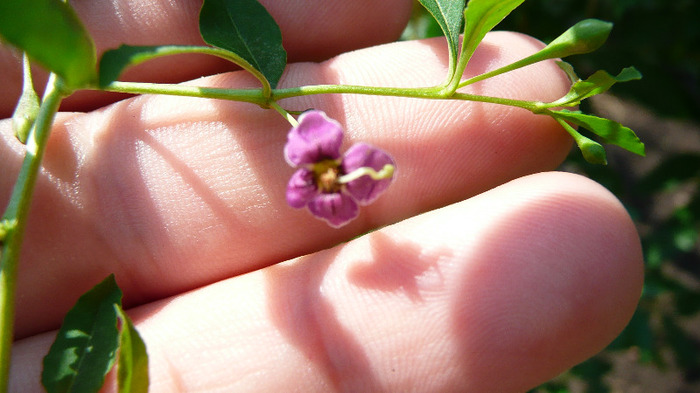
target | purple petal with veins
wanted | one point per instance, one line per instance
(365, 189)
(301, 188)
(336, 208)
(316, 138)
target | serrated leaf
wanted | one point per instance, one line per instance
(448, 14)
(597, 83)
(50, 32)
(86, 345)
(132, 371)
(610, 131)
(480, 17)
(245, 28)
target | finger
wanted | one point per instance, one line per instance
(173, 193)
(311, 30)
(495, 294)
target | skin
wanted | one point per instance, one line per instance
(523, 273)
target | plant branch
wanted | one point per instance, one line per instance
(16, 213)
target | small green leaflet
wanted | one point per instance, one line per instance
(50, 32)
(480, 17)
(132, 373)
(569, 71)
(597, 83)
(245, 28)
(87, 343)
(449, 15)
(610, 131)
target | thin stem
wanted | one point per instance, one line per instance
(253, 96)
(168, 50)
(284, 114)
(256, 96)
(414, 92)
(532, 59)
(465, 54)
(533, 106)
(16, 212)
(432, 93)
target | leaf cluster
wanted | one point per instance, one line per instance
(481, 16)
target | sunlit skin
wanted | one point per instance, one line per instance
(495, 280)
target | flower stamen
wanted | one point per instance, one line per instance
(326, 174)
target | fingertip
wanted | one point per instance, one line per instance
(554, 281)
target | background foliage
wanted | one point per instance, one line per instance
(660, 349)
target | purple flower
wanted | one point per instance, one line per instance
(332, 187)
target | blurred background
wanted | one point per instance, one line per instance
(660, 349)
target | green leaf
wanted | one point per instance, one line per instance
(86, 345)
(27, 107)
(245, 28)
(50, 32)
(480, 17)
(569, 71)
(610, 131)
(597, 83)
(132, 372)
(448, 14)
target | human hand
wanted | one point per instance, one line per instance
(183, 199)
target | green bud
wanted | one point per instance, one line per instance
(593, 152)
(6, 226)
(584, 37)
(27, 108)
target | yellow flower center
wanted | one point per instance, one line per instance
(326, 174)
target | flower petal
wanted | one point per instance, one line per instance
(336, 208)
(301, 188)
(316, 138)
(365, 189)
